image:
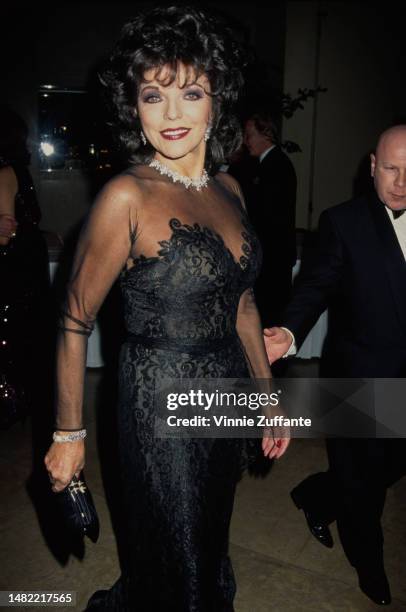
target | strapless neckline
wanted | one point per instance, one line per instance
(197, 228)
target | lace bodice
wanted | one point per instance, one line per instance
(183, 259)
(191, 288)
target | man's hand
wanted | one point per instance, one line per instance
(277, 343)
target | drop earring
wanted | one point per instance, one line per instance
(207, 133)
(144, 140)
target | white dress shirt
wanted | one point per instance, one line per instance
(399, 225)
(264, 153)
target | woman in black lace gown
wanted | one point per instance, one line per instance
(24, 274)
(175, 232)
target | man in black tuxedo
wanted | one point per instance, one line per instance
(271, 206)
(359, 273)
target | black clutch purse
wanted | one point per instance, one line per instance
(78, 509)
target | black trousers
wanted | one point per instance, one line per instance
(353, 492)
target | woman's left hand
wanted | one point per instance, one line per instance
(274, 448)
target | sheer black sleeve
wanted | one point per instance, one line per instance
(249, 327)
(102, 251)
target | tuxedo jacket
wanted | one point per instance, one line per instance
(272, 208)
(359, 273)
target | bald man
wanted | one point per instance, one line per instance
(359, 273)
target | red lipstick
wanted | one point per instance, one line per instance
(175, 134)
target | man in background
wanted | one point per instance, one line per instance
(272, 206)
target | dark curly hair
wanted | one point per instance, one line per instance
(160, 37)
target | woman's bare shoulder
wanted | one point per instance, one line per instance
(232, 186)
(8, 176)
(8, 190)
(136, 181)
(123, 189)
(229, 182)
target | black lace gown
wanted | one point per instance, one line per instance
(24, 303)
(180, 312)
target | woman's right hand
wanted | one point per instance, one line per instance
(8, 226)
(63, 461)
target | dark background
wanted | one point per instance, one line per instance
(355, 50)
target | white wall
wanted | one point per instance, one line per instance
(360, 65)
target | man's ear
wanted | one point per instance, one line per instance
(373, 164)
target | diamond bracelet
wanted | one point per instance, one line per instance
(70, 437)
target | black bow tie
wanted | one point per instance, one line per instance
(397, 213)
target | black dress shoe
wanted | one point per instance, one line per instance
(374, 584)
(317, 528)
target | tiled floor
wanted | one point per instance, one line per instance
(279, 566)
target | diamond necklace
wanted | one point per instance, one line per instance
(180, 178)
